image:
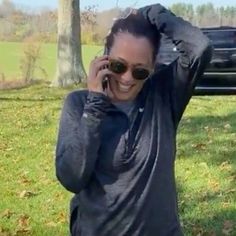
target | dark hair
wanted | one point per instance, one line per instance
(136, 25)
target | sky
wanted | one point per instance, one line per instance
(107, 4)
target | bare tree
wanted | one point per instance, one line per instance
(7, 7)
(70, 68)
(184, 10)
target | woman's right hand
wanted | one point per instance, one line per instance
(98, 71)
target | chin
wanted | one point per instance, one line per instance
(124, 96)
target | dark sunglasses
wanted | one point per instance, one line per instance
(120, 67)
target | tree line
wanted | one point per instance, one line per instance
(17, 24)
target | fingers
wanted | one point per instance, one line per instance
(100, 65)
(95, 83)
(97, 59)
(103, 73)
(97, 73)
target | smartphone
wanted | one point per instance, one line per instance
(105, 80)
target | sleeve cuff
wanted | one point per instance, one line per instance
(97, 105)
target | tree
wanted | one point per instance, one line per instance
(7, 7)
(184, 10)
(70, 68)
(88, 22)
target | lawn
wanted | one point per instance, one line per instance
(34, 203)
(11, 54)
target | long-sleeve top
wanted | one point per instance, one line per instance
(122, 169)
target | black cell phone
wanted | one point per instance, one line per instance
(105, 80)
(105, 52)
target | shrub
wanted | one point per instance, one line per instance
(29, 61)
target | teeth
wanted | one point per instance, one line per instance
(124, 88)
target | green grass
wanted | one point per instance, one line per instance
(11, 54)
(33, 201)
(206, 166)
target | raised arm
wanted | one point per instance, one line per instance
(194, 50)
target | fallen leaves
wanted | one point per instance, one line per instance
(23, 231)
(228, 227)
(213, 185)
(199, 146)
(3, 146)
(203, 165)
(24, 180)
(232, 190)
(4, 232)
(226, 205)
(51, 224)
(23, 225)
(62, 217)
(227, 126)
(27, 194)
(7, 214)
(197, 230)
(225, 166)
(23, 221)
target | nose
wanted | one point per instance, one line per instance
(127, 77)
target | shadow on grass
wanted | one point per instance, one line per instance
(204, 221)
(39, 230)
(19, 84)
(221, 223)
(213, 139)
(15, 99)
(37, 93)
(212, 136)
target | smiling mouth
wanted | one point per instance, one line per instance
(123, 87)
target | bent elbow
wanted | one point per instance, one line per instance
(206, 54)
(67, 177)
(205, 48)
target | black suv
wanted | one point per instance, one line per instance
(220, 76)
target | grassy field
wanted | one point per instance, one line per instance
(33, 202)
(11, 54)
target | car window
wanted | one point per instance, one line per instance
(226, 39)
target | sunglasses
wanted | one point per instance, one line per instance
(120, 67)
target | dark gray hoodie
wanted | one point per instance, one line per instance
(122, 169)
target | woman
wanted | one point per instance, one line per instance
(116, 142)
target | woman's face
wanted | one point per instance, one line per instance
(136, 52)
